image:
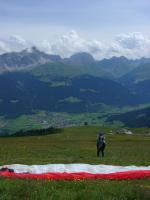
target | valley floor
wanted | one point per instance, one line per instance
(75, 145)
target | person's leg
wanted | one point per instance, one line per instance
(103, 149)
(102, 153)
(98, 152)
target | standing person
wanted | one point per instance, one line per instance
(100, 144)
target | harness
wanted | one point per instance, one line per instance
(101, 142)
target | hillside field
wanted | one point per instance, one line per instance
(76, 145)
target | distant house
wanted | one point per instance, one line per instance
(124, 131)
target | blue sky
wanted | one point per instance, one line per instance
(103, 28)
(92, 18)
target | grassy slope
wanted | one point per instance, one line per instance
(75, 145)
(47, 71)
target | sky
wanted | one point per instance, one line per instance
(103, 28)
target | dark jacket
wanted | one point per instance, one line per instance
(100, 140)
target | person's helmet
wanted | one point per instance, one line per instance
(101, 134)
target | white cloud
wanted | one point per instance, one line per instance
(17, 39)
(71, 43)
(132, 45)
(14, 43)
(17, 43)
(45, 46)
(131, 41)
(3, 47)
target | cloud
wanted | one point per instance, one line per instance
(3, 47)
(18, 43)
(17, 39)
(131, 41)
(132, 45)
(14, 43)
(45, 46)
(71, 43)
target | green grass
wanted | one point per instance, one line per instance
(75, 145)
(71, 100)
(48, 71)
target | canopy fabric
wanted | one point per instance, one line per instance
(74, 172)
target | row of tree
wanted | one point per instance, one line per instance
(36, 132)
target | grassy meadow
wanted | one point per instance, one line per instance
(76, 145)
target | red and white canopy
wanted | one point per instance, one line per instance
(74, 171)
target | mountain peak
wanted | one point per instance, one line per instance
(32, 49)
(115, 58)
(82, 58)
(27, 58)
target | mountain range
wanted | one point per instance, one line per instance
(115, 67)
(32, 80)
